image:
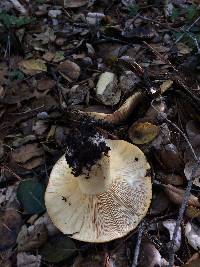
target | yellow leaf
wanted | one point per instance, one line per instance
(32, 66)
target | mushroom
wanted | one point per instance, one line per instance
(105, 202)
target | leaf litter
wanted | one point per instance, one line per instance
(129, 69)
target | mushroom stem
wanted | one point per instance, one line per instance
(121, 113)
(97, 179)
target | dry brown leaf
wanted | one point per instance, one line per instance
(33, 163)
(10, 224)
(27, 152)
(192, 212)
(143, 132)
(32, 66)
(33, 237)
(167, 178)
(69, 70)
(74, 3)
(194, 261)
(159, 204)
(45, 84)
(165, 86)
(171, 158)
(176, 196)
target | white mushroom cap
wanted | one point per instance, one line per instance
(106, 203)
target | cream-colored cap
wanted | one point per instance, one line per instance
(105, 203)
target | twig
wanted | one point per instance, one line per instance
(137, 248)
(181, 36)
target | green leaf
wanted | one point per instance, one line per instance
(30, 193)
(192, 13)
(58, 249)
(133, 9)
(13, 21)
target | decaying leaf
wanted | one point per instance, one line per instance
(69, 70)
(8, 198)
(45, 84)
(159, 203)
(10, 224)
(32, 237)
(170, 225)
(30, 193)
(188, 171)
(171, 178)
(192, 232)
(171, 158)
(29, 155)
(32, 66)
(193, 131)
(128, 82)
(26, 260)
(192, 212)
(26, 152)
(194, 261)
(74, 3)
(142, 133)
(107, 89)
(176, 196)
(183, 49)
(165, 86)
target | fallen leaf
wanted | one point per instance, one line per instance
(69, 70)
(171, 178)
(171, 158)
(30, 193)
(8, 197)
(32, 66)
(183, 49)
(128, 82)
(188, 171)
(192, 212)
(142, 133)
(58, 249)
(74, 3)
(194, 261)
(26, 152)
(193, 131)
(176, 196)
(45, 84)
(10, 224)
(159, 203)
(170, 225)
(27, 260)
(165, 86)
(192, 232)
(32, 237)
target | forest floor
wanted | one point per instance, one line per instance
(53, 53)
